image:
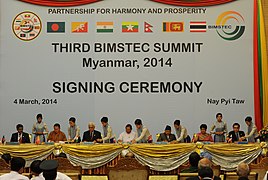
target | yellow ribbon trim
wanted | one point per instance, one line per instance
(90, 150)
(231, 150)
(28, 151)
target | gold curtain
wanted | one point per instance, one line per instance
(160, 150)
(91, 150)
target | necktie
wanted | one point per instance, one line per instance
(20, 138)
(237, 136)
(91, 134)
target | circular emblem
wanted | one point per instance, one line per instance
(26, 26)
(234, 21)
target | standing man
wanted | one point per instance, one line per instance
(20, 136)
(56, 135)
(128, 135)
(91, 135)
(17, 166)
(107, 132)
(181, 132)
(166, 136)
(73, 131)
(142, 133)
(236, 134)
(252, 130)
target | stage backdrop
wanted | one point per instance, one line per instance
(126, 59)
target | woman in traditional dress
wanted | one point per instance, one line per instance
(220, 128)
(39, 129)
(203, 136)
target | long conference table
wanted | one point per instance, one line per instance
(94, 158)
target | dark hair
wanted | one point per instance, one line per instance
(72, 119)
(205, 172)
(57, 124)
(236, 124)
(194, 159)
(138, 122)
(203, 126)
(50, 175)
(19, 126)
(218, 114)
(248, 119)
(177, 122)
(35, 166)
(104, 119)
(129, 125)
(17, 163)
(6, 157)
(39, 116)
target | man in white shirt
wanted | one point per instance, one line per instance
(17, 166)
(60, 176)
(266, 176)
(127, 136)
(49, 168)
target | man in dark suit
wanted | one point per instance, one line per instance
(91, 135)
(205, 171)
(166, 136)
(235, 135)
(20, 136)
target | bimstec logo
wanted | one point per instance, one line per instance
(230, 25)
(26, 26)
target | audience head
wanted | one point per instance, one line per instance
(35, 167)
(39, 118)
(219, 117)
(104, 121)
(19, 128)
(6, 157)
(57, 128)
(248, 120)
(72, 121)
(203, 128)
(168, 130)
(177, 124)
(236, 127)
(138, 123)
(205, 173)
(243, 170)
(204, 162)
(194, 159)
(128, 128)
(91, 126)
(49, 168)
(17, 164)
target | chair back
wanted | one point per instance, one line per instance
(74, 172)
(4, 167)
(128, 169)
(260, 168)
